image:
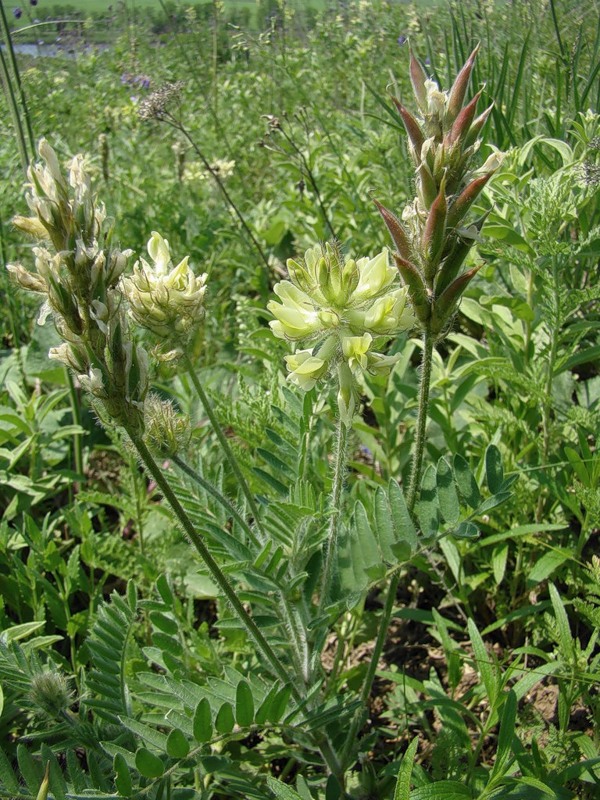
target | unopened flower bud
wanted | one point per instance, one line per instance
(49, 694)
(27, 280)
(166, 431)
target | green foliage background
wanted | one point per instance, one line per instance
(492, 659)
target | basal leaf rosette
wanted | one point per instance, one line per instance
(165, 299)
(345, 308)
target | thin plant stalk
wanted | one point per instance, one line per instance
(17, 78)
(216, 425)
(214, 569)
(335, 511)
(76, 416)
(175, 123)
(14, 111)
(414, 483)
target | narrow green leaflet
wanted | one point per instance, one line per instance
(402, 790)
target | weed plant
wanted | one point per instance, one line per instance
(335, 534)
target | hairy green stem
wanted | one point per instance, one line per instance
(419, 445)
(550, 365)
(335, 511)
(415, 479)
(229, 455)
(218, 575)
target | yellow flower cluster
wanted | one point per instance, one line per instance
(163, 298)
(343, 305)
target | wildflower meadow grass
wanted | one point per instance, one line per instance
(299, 400)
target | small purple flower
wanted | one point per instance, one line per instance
(17, 12)
(402, 39)
(33, 2)
(145, 83)
(427, 62)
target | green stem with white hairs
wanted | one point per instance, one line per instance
(414, 484)
(335, 512)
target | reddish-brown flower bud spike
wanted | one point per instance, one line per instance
(417, 290)
(445, 304)
(426, 186)
(434, 234)
(413, 129)
(476, 127)
(465, 199)
(459, 88)
(396, 229)
(418, 78)
(451, 265)
(461, 125)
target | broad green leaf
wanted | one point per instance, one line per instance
(164, 590)
(404, 528)
(547, 564)
(493, 469)
(7, 775)
(281, 790)
(202, 722)
(465, 480)
(30, 769)
(442, 790)
(402, 790)
(279, 704)
(244, 705)
(383, 526)
(508, 718)
(177, 745)
(224, 720)
(427, 507)
(499, 558)
(366, 558)
(148, 764)
(17, 632)
(483, 663)
(123, 782)
(466, 530)
(446, 492)
(565, 640)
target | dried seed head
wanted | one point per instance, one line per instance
(155, 106)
